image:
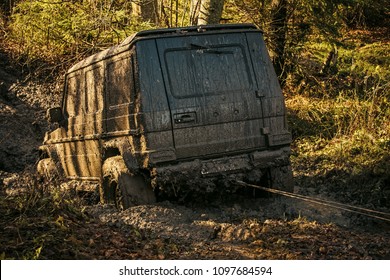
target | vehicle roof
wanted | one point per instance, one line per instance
(161, 33)
(196, 29)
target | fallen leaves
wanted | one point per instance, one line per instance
(66, 229)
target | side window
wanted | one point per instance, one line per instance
(93, 90)
(73, 100)
(120, 82)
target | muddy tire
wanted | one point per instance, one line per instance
(282, 178)
(124, 188)
(47, 168)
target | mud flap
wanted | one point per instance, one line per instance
(123, 187)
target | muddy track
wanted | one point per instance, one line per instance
(239, 228)
(234, 228)
(272, 228)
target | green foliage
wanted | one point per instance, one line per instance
(49, 30)
(343, 116)
(307, 21)
(354, 96)
(304, 20)
(359, 68)
(366, 13)
(340, 117)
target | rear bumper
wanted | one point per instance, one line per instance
(199, 173)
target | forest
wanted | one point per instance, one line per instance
(332, 58)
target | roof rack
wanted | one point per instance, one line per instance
(195, 29)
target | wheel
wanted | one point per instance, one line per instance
(122, 187)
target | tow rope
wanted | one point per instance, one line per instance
(341, 206)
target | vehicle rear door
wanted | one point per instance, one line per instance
(213, 95)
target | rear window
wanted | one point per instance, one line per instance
(210, 70)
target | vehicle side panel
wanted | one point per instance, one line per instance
(274, 111)
(77, 143)
(156, 116)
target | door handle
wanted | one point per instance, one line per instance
(185, 118)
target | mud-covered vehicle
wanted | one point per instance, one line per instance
(172, 111)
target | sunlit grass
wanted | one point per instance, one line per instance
(345, 130)
(361, 57)
(342, 141)
(340, 119)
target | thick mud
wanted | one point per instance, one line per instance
(234, 227)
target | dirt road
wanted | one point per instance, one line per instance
(47, 223)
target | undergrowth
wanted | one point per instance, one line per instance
(37, 217)
(340, 120)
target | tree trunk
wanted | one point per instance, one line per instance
(210, 11)
(147, 10)
(194, 11)
(6, 7)
(278, 36)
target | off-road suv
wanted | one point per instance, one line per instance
(172, 111)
